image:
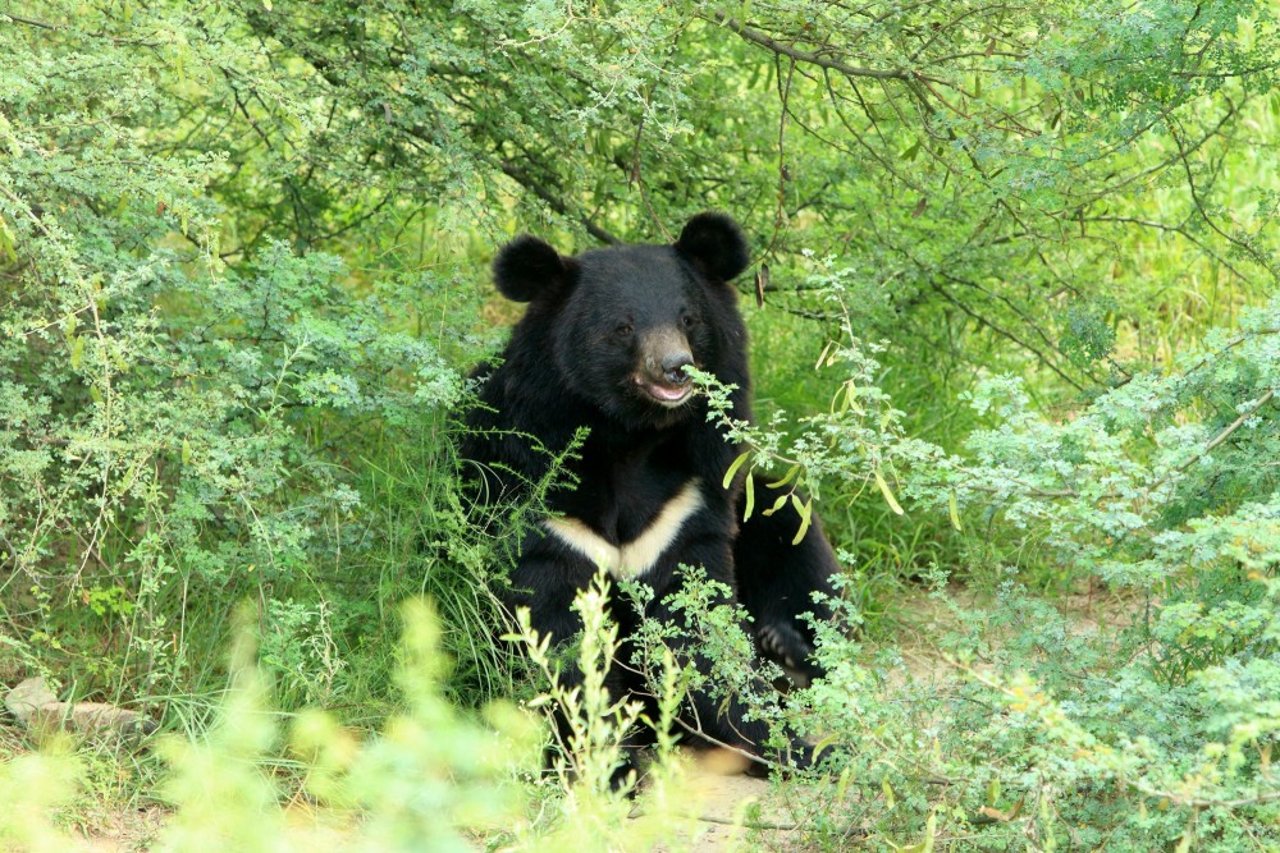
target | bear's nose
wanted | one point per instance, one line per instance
(673, 368)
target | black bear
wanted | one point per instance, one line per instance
(604, 344)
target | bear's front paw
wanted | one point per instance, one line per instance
(798, 758)
(787, 647)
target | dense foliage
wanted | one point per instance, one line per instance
(1031, 249)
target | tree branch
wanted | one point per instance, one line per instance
(524, 179)
(30, 22)
(812, 58)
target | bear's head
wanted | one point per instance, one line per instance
(623, 322)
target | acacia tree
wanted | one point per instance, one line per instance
(1033, 170)
(1037, 171)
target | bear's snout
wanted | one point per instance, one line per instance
(673, 367)
(664, 353)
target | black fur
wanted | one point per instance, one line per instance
(714, 242)
(528, 267)
(776, 582)
(601, 345)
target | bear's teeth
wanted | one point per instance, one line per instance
(667, 395)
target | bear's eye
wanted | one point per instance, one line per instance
(624, 330)
(689, 321)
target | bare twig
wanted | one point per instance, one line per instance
(1226, 433)
(31, 22)
(1208, 803)
(942, 291)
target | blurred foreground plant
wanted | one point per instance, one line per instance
(436, 778)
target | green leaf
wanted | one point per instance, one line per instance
(953, 508)
(751, 497)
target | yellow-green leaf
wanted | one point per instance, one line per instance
(733, 468)
(822, 356)
(786, 478)
(849, 397)
(777, 505)
(77, 352)
(822, 746)
(887, 789)
(806, 516)
(7, 241)
(953, 507)
(888, 493)
(186, 452)
(842, 785)
(751, 497)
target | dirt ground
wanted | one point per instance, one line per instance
(722, 792)
(719, 792)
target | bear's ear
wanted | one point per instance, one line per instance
(715, 243)
(527, 268)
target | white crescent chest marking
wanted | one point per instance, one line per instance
(632, 559)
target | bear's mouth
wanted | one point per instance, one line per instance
(664, 393)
